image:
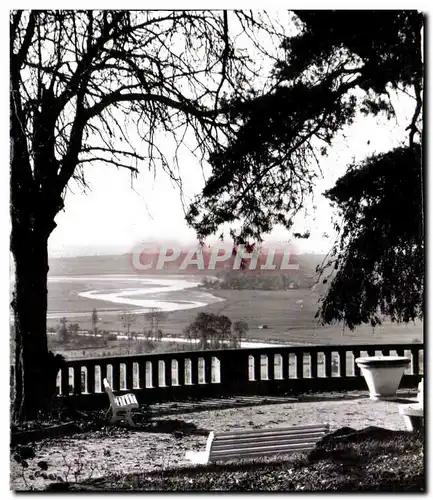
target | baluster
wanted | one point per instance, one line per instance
(90, 378)
(299, 365)
(285, 366)
(313, 364)
(356, 370)
(328, 363)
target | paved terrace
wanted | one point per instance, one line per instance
(121, 450)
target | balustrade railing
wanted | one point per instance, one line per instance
(201, 374)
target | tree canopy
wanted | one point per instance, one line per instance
(333, 70)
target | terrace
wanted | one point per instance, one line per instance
(192, 393)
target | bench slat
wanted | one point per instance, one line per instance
(252, 442)
(262, 446)
(267, 435)
(297, 428)
(257, 454)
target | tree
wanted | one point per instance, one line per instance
(332, 71)
(128, 319)
(155, 316)
(83, 86)
(240, 329)
(73, 329)
(95, 321)
(212, 331)
(62, 331)
(379, 258)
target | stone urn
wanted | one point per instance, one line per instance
(382, 374)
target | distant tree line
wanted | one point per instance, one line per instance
(238, 280)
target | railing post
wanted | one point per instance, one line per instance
(194, 370)
(299, 364)
(129, 375)
(142, 374)
(77, 379)
(181, 371)
(207, 369)
(65, 380)
(313, 364)
(234, 370)
(155, 372)
(167, 372)
(415, 361)
(116, 375)
(257, 366)
(271, 366)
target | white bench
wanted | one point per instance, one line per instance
(120, 406)
(256, 443)
(413, 414)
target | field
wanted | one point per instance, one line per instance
(288, 316)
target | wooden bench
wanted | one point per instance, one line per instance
(120, 406)
(413, 414)
(256, 443)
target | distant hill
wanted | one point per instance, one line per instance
(305, 277)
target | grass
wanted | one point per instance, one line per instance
(370, 460)
(287, 321)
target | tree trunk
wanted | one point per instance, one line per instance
(30, 251)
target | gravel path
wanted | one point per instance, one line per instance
(119, 450)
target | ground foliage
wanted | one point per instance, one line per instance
(372, 459)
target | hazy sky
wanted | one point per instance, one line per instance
(114, 217)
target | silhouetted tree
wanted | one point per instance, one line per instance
(333, 71)
(79, 81)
